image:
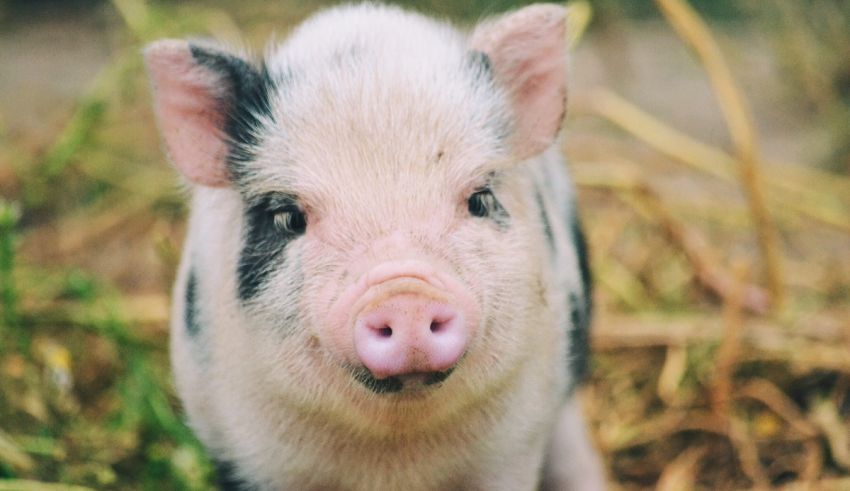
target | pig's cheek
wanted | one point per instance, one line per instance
(332, 331)
(319, 288)
(320, 296)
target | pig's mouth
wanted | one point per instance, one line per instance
(412, 382)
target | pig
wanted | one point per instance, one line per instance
(384, 284)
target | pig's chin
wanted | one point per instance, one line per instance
(411, 385)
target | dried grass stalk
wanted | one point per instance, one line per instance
(730, 345)
(694, 31)
(680, 475)
(826, 416)
(804, 345)
(748, 454)
(791, 187)
(708, 270)
(771, 396)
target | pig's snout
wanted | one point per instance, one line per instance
(402, 321)
(409, 331)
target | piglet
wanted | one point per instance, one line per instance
(384, 284)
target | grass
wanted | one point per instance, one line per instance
(699, 381)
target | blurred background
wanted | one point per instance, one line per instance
(710, 142)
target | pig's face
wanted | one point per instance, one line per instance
(388, 195)
(387, 255)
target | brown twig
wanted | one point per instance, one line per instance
(672, 373)
(662, 427)
(813, 465)
(826, 416)
(747, 451)
(680, 474)
(730, 344)
(695, 32)
(771, 396)
(802, 345)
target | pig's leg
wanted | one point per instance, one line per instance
(572, 463)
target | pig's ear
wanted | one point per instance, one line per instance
(527, 52)
(192, 91)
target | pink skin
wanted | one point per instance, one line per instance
(527, 53)
(408, 333)
(187, 110)
(408, 296)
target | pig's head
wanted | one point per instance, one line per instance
(385, 246)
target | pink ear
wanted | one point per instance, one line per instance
(527, 52)
(188, 102)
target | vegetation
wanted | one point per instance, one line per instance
(722, 334)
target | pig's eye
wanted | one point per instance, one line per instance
(290, 221)
(482, 203)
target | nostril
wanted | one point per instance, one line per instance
(442, 324)
(385, 332)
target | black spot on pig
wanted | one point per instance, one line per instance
(191, 313)
(437, 377)
(579, 334)
(480, 66)
(481, 69)
(544, 220)
(581, 307)
(580, 244)
(265, 241)
(246, 104)
(227, 478)
(480, 60)
(378, 386)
